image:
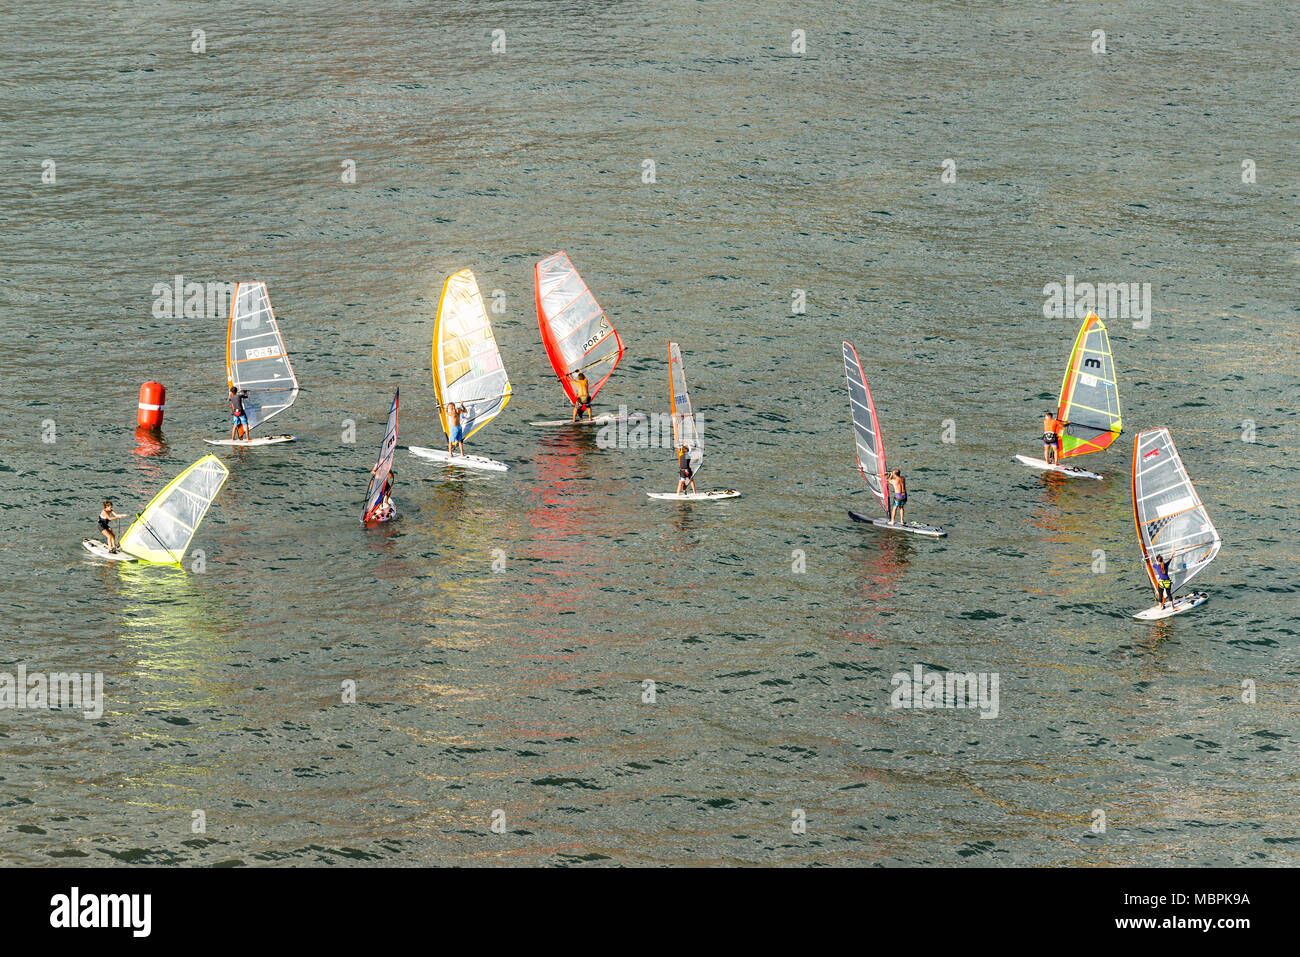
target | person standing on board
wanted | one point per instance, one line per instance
(1051, 437)
(685, 474)
(105, 516)
(583, 401)
(897, 496)
(1164, 581)
(236, 400)
(456, 433)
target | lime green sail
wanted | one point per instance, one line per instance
(1089, 406)
(162, 532)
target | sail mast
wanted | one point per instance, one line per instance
(869, 441)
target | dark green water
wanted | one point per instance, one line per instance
(521, 690)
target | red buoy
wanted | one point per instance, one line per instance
(153, 399)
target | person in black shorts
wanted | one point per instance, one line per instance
(107, 515)
(685, 473)
(583, 401)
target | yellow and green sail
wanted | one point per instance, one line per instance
(1089, 406)
(162, 532)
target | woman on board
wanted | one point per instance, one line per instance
(1051, 437)
(456, 431)
(236, 400)
(685, 475)
(897, 496)
(1164, 581)
(583, 401)
(107, 515)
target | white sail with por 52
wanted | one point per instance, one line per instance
(688, 445)
(257, 363)
(1172, 524)
(579, 338)
(162, 533)
(467, 370)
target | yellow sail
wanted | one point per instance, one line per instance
(467, 366)
(162, 532)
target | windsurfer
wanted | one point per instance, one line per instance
(1164, 581)
(684, 471)
(1051, 437)
(383, 510)
(107, 515)
(897, 497)
(236, 400)
(456, 435)
(583, 401)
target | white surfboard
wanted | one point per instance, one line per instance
(713, 496)
(597, 420)
(1067, 470)
(263, 440)
(459, 461)
(100, 550)
(916, 528)
(1181, 604)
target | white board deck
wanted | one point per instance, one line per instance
(392, 517)
(712, 496)
(583, 421)
(245, 443)
(1067, 470)
(1181, 604)
(459, 461)
(916, 528)
(100, 550)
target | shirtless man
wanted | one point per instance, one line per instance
(1051, 437)
(236, 400)
(897, 497)
(107, 515)
(684, 472)
(456, 433)
(583, 401)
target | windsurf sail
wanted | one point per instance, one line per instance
(162, 532)
(256, 359)
(1170, 519)
(384, 465)
(1089, 403)
(866, 428)
(685, 431)
(467, 366)
(576, 332)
